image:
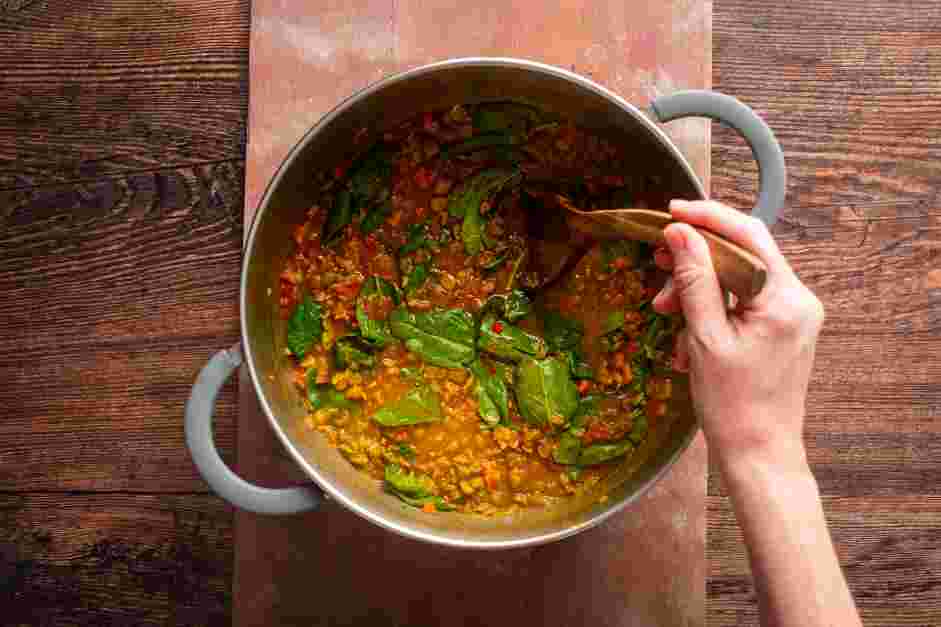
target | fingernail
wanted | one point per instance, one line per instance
(678, 203)
(676, 237)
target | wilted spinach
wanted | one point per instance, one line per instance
(352, 352)
(545, 391)
(561, 333)
(339, 216)
(639, 428)
(417, 277)
(305, 326)
(600, 453)
(493, 397)
(507, 341)
(419, 404)
(570, 442)
(325, 396)
(417, 238)
(415, 489)
(370, 174)
(443, 337)
(511, 306)
(499, 139)
(465, 203)
(376, 332)
(580, 368)
(505, 117)
(375, 217)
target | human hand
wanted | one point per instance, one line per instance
(749, 366)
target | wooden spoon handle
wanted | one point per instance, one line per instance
(738, 270)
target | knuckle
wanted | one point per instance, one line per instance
(687, 278)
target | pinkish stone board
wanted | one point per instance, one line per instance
(646, 565)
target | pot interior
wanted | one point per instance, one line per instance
(288, 198)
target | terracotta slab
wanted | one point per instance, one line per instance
(645, 566)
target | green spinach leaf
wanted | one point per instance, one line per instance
(614, 321)
(376, 332)
(544, 391)
(419, 404)
(570, 442)
(305, 327)
(639, 428)
(352, 352)
(417, 277)
(600, 453)
(406, 451)
(443, 337)
(479, 188)
(561, 333)
(493, 397)
(567, 449)
(512, 306)
(417, 238)
(375, 217)
(339, 217)
(370, 174)
(480, 142)
(580, 368)
(412, 488)
(472, 231)
(325, 396)
(504, 117)
(508, 341)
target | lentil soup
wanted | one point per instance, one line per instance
(425, 353)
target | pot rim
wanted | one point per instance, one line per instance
(262, 209)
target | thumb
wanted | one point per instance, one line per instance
(696, 285)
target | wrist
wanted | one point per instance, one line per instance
(784, 461)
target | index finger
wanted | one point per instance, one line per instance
(746, 231)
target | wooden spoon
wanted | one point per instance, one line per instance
(738, 270)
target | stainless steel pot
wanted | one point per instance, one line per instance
(283, 205)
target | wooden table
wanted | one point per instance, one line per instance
(122, 138)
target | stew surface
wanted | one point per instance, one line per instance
(418, 345)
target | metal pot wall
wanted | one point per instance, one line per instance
(283, 206)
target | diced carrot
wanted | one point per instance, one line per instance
(656, 408)
(584, 386)
(497, 327)
(429, 508)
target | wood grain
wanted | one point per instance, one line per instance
(851, 91)
(889, 547)
(114, 560)
(90, 89)
(122, 133)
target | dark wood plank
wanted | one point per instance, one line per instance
(115, 294)
(100, 88)
(890, 548)
(850, 88)
(114, 560)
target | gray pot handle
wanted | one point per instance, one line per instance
(767, 151)
(220, 477)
